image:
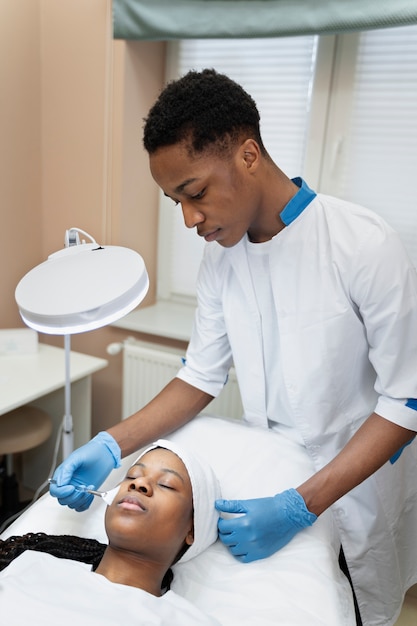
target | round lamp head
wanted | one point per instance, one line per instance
(81, 288)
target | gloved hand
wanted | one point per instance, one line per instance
(89, 465)
(267, 525)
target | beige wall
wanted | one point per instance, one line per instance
(20, 149)
(72, 104)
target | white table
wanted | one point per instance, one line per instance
(164, 319)
(39, 379)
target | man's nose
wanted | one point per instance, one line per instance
(192, 217)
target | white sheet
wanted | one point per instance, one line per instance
(89, 600)
(299, 585)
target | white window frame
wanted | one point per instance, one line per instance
(338, 111)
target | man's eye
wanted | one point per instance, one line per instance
(199, 195)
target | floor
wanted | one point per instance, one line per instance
(408, 615)
(25, 495)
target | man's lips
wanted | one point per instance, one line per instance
(132, 503)
(210, 236)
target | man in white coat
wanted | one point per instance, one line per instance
(314, 300)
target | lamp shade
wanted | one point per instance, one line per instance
(81, 288)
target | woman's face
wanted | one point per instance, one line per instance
(152, 513)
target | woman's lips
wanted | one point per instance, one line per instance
(131, 503)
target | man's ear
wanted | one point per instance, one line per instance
(251, 153)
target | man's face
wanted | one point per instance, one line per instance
(218, 194)
(152, 513)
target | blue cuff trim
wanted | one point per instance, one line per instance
(399, 452)
(298, 203)
(412, 404)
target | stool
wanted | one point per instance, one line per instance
(20, 430)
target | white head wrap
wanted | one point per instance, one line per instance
(206, 490)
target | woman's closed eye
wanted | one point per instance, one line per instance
(164, 477)
(131, 477)
(164, 485)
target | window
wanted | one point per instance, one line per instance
(340, 111)
(373, 131)
(278, 73)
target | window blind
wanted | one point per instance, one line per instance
(278, 74)
(380, 159)
(165, 19)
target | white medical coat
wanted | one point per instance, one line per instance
(346, 300)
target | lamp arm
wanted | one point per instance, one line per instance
(72, 237)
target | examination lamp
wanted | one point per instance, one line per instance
(79, 288)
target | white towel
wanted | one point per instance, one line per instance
(206, 489)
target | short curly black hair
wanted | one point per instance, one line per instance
(207, 109)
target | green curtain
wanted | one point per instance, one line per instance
(181, 19)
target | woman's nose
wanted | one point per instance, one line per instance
(141, 485)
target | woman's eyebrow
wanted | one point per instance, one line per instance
(171, 471)
(165, 470)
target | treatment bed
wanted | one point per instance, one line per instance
(301, 584)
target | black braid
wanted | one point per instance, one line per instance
(62, 546)
(88, 551)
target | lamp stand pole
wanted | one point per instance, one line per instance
(67, 429)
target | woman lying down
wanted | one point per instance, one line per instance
(163, 513)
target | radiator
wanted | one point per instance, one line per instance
(147, 368)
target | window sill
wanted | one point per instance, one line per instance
(163, 319)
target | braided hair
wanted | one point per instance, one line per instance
(80, 549)
(62, 546)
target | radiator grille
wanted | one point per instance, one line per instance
(147, 369)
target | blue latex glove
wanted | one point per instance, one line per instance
(89, 466)
(267, 525)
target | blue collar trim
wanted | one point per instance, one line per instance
(298, 203)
